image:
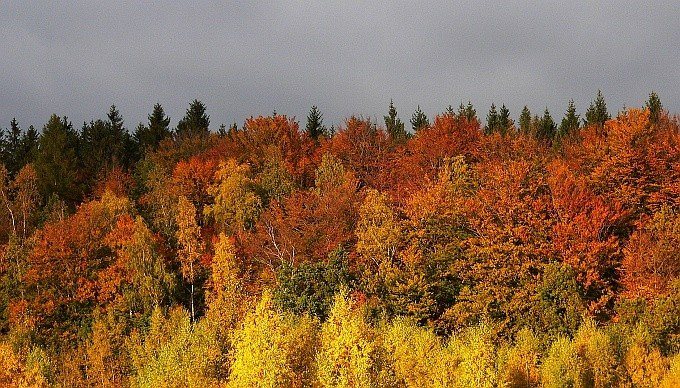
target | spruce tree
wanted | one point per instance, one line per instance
(148, 137)
(504, 121)
(597, 112)
(56, 163)
(29, 145)
(196, 122)
(419, 120)
(315, 127)
(492, 121)
(467, 111)
(120, 142)
(450, 111)
(222, 130)
(12, 153)
(654, 106)
(570, 122)
(546, 127)
(525, 121)
(394, 125)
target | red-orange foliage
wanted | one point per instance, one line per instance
(62, 280)
(422, 157)
(277, 138)
(362, 148)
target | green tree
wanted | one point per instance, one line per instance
(195, 122)
(467, 111)
(104, 145)
(419, 120)
(654, 106)
(525, 121)
(29, 145)
(492, 121)
(570, 122)
(12, 150)
(504, 121)
(597, 112)
(394, 125)
(149, 136)
(56, 163)
(315, 127)
(547, 127)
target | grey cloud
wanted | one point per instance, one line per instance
(78, 58)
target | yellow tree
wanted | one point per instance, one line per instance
(349, 356)
(236, 204)
(190, 244)
(273, 349)
(378, 230)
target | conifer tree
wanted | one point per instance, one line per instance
(597, 112)
(12, 152)
(547, 127)
(419, 120)
(450, 111)
(29, 145)
(394, 125)
(56, 162)
(148, 137)
(195, 122)
(525, 121)
(467, 111)
(315, 127)
(654, 106)
(504, 121)
(492, 121)
(570, 122)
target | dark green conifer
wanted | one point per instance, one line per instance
(315, 127)
(570, 122)
(654, 106)
(394, 125)
(419, 120)
(597, 112)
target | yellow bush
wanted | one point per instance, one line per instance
(519, 363)
(348, 356)
(273, 349)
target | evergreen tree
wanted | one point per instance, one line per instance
(105, 145)
(12, 150)
(597, 112)
(394, 125)
(467, 111)
(29, 145)
(450, 111)
(121, 144)
(570, 122)
(525, 121)
(222, 130)
(504, 121)
(148, 137)
(195, 121)
(654, 106)
(56, 163)
(419, 120)
(315, 127)
(547, 127)
(492, 121)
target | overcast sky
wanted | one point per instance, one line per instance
(77, 58)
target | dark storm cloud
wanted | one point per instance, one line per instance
(78, 58)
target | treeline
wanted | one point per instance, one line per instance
(457, 253)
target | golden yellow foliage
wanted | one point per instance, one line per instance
(348, 356)
(273, 349)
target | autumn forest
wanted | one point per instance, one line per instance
(471, 249)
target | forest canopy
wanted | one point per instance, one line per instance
(460, 250)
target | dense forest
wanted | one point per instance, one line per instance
(458, 250)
